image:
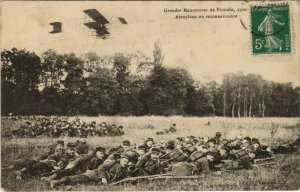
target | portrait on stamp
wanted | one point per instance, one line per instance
(271, 29)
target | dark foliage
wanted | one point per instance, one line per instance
(55, 84)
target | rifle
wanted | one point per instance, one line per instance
(168, 153)
(264, 164)
(265, 159)
(161, 163)
(137, 178)
(162, 176)
(166, 161)
(48, 174)
(255, 165)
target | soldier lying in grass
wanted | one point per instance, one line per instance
(109, 171)
(205, 156)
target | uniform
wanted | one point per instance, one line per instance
(112, 171)
(86, 162)
(148, 165)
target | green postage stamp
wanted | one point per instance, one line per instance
(271, 29)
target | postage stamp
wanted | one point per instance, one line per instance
(271, 32)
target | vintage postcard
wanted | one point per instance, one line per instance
(150, 95)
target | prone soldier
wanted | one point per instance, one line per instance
(42, 166)
(149, 164)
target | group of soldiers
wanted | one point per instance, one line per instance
(77, 163)
(172, 129)
(20, 117)
(61, 126)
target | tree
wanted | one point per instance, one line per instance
(166, 91)
(20, 77)
(100, 92)
(73, 85)
(158, 54)
(121, 68)
(53, 71)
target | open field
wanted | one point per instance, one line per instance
(139, 128)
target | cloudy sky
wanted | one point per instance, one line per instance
(208, 48)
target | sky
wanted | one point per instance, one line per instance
(207, 48)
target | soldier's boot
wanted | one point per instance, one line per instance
(217, 173)
(204, 163)
(55, 183)
(20, 173)
(44, 178)
(52, 177)
(68, 188)
(23, 170)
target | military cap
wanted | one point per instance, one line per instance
(142, 147)
(170, 145)
(126, 143)
(132, 154)
(126, 156)
(247, 138)
(179, 138)
(71, 145)
(186, 139)
(254, 140)
(120, 126)
(155, 151)
(218, 134)
(103, 124)
(101, 149)
(195, 140)
(150, 139)
(174, 124)
(60, 142)
(190, 142)
(212, 140)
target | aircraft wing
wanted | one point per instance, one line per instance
(92, 25)
(96, 16)
(122, 20)
(56, 27)
(100, 30)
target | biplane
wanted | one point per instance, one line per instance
(57, 27)
(100, 23)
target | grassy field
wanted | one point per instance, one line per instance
(139, 128)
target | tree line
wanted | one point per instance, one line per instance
(66, 84)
